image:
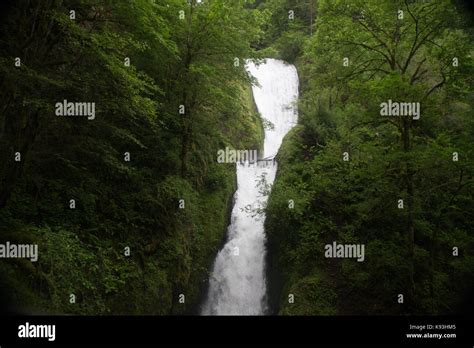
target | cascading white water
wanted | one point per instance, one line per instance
(237, 285)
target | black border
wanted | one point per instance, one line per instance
(222, 330)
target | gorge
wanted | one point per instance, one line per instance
(238, 283)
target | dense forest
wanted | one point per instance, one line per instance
(129, 206)
(401, 186)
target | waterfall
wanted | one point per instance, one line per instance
(237, 285)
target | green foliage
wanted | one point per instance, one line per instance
(192, 55)
(173, 61)
(289, 45)
(287, 25)
(408, 251)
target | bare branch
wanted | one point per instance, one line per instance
(387, 58)
(438, 85)
(415, 76)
